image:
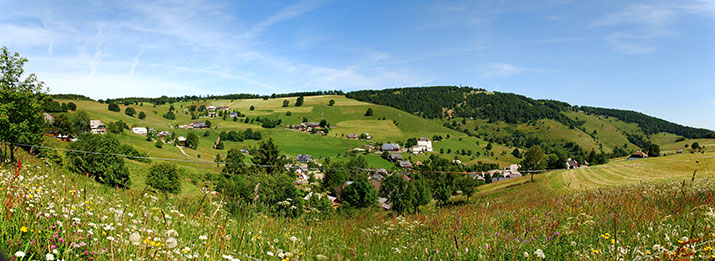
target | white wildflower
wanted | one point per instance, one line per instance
(135, 238)
(171, 243)
(526, 254)
(269, 253)
(20, 254)
(539, 253)
(204, 237)
(49, 257)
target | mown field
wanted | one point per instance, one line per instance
(51, 213)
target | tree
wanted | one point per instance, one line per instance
(398, 193)
(192, 140)
(423, 195)
(21, 117)
(208, 123)
(80, 122)
(360, 194)
(103, 162)
(285, 103)
(142, 115)
(113, 107)
(323, 123)
(252, 108)
(164, 177)
(218, 160)
(695, 146)
(72, 106)
(516, 153)
(234, 163)
(410, 142)
(331, 102)
(653, 150)
(159, 143)
(169, 115)
(268, 155)
(299, 101)
(62, 124)
(534, 159)
(368, 112)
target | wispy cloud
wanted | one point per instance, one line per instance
(501, 70)
(640, 24)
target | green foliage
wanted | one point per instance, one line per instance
(516, 153)
(169, 115)
(126, 149)
(117, 127)
(653, 150)
(80, 122)
(360, 194)
(268, 154)
(113, 107)
(399, 193)
(62, 124)
(534, 158)
(159, 144)
(164, 177)
(331, 102)
(21, 118)
(192, 140)
(649, 124)
(234, 163)
(299, 101)
(368, 112)
(142, 115)
(129, 111)
(285, 103)
(72, 106)
(252, 107)
(102, 163)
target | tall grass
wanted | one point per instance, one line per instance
(51, 213)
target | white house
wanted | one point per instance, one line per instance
(139, 130)
(423, 145)
(97, 127)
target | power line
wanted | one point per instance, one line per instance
(317, 169)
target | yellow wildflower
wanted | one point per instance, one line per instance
(23, 229)
(595, 251)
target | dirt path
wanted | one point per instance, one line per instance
(182, 151)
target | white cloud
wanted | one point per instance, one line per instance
(501, 70)
(642, 23)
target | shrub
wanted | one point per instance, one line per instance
(142, 115)
(164, 177)
(105, 165)
(130, 111)
(113, 107)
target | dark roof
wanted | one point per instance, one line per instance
(639, 154)
(303, 158)
(423, 139)
(390, 146)
(405, 164)
(395, 156)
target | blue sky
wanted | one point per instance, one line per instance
(656, 57)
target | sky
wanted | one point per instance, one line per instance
(655, 57)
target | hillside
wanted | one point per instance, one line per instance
(346, 116)
(516, 120)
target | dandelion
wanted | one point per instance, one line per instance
(539, 253)
(573, 243)
(49, 257)
(171, 243)
(135, 238)
(526, 254)
(23, 229)
(20, 254)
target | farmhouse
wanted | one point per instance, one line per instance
(233, 115)
(638, 155)
(405, 164)
(163, 134)
(49, 118)
(198, 125)
(212, 114)
(353, 136)
(314, 125)
(395, 156)
(305, 158)
(571, 164)
(210, 108)
(139, 130)
(423, 145)
(97, 127)
(181, 140)
(390, 147)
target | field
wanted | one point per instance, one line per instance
(47, 211)
(347, 116)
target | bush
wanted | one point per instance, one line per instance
(159, 144)
(169, 115)
(113, 107)
(142, 115)
(192, 140)
(72, 106)
(360, 194)
(105, 166)
(130, 111)
(164, 177)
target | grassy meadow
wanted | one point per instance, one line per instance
(564, 215)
